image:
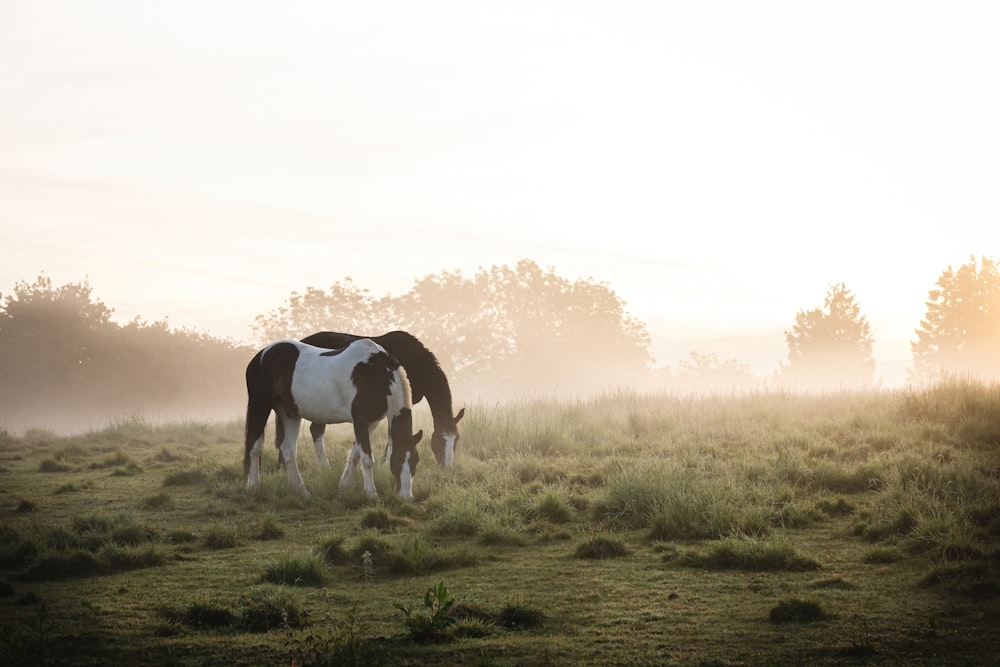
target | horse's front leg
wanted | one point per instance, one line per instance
(351, 466)
(361, 451)
(316, 431)
(291, 434)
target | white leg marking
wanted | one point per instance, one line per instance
(288, 456)
(253, 478)
(406, 480)
(321, 452)
(449, 451)
(353, 457)
(368, 472)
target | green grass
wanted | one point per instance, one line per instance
(625, 529)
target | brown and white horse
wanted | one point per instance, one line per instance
(426, 380)
(359, 383)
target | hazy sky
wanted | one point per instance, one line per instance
(718, 164)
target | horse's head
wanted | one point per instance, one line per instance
(403, 462)
(444, 439)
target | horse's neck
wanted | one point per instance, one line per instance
(438, 396)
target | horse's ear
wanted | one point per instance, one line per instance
(458, 417)
(417, 436)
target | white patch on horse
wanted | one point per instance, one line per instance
(449, 449)
(406, 480)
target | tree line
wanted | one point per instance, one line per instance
(520, 330)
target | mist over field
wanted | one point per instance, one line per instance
(508, 332)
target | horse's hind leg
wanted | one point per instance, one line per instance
(317, 430)
(254, 442)
(288, 453)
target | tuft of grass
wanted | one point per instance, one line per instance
(63, 565)
(180, 537)
(117, 558)
(270, 528)
(25, 506)
(750, 554)
(554, 507)
(307, 570)
(223, 537)
(332, 551)
(268, 607)
(378, 518)
(518, 616)
(184, 478)
(158, 501)
(600, 548)
(202, 616)
(420, 559)
(73, 487)
(50, 465)
(794, 610)
(882, 556)
(977, 579)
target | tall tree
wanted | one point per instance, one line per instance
(67, 364)
(830, 346)
(506, 329)
(344, 307)
(961, 330)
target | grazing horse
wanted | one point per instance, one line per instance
(359, 383)
(426, 379)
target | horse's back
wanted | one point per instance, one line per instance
(322, 381)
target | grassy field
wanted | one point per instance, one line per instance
(759, 529)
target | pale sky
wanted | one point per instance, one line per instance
(718, 164)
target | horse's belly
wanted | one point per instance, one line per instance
(325, 405)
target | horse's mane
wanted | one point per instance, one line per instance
(423, 370)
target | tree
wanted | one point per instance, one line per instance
(344, 307)
(504, 330)
(705, 371)
(830, 346)
(67, 364)
(961, 330)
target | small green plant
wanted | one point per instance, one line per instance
(430, 626)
